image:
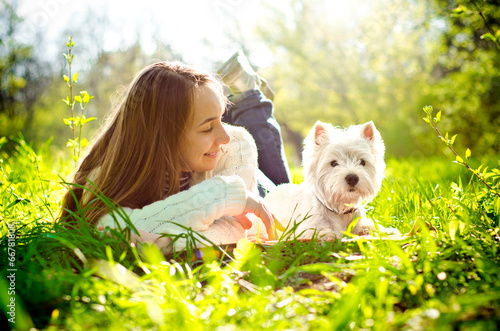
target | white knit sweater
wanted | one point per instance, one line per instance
(206, 205)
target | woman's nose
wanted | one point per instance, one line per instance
(223, 137)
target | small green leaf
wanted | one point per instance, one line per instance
(453, 229)
(72, 143)
(22, 201)
(84, 142)
(66, 78)
(461, 227)
(488, 175)
(426, 120)
(489, 36)
(460, 10)
(86, 96)
(78, 98)
(85, 120)
(438, 117)
(468, 154)
(75, 77)
(70, 121)
(459, 159)
(452, 141)
(485, 171)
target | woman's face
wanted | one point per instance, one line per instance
(202, 144)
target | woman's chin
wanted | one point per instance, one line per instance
(207, 166)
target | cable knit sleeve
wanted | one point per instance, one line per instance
(196, 208)
(238, 157)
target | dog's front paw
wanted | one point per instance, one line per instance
(364, 231)
(364, 227)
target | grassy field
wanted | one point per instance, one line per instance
(445, 276)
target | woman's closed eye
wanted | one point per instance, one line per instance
(210, 129)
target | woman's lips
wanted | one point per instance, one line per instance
(214, 154)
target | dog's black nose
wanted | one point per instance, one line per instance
(352, 179)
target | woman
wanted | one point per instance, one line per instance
(166, 158)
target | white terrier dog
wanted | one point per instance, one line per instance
(342, 169)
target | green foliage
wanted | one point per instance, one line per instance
(104, 79)
(480, 173)
(74, 122)
(348, 66)
(20, 74)
(444, 275)
(467, 72)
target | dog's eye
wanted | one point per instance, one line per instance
(334, 163)
(362, 163)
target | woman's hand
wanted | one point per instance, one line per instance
(256, 206)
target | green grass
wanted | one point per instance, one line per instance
(444, 277)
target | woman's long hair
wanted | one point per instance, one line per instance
(137, 150)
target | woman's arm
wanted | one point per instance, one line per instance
(196, 208)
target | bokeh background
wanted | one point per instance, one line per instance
(342, 62)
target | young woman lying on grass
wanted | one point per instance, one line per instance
(165, 156)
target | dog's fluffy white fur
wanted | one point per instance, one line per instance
(342, 169)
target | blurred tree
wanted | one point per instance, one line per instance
(106, 78)
(379, 64)
(102, 71)
(349, 72)
(111, 71)
(467, 72)
(21, 74)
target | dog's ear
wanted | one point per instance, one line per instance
(369, 131)
(320, 133)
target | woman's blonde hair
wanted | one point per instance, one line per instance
(137, 150)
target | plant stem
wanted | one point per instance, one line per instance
(72, 104)
(463, 162)
(488, 26)
(80, 133)
(44, 196)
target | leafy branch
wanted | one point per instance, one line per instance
(495, 37)
(433, 122)
(74, 122)
(491, 34)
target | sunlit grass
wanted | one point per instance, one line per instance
(445, 276)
